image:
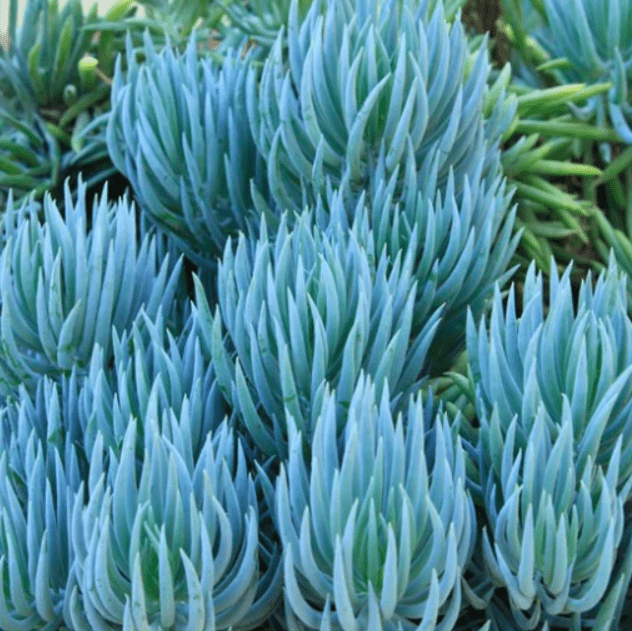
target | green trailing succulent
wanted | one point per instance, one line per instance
(63, 288)
(52, 84)
(259, 21)
(366, 90)
(42, 65)
(594, 39)
(581, 48)
(191, 176)
(376, 527)
(29, 156)
(176, 19)
(308, 309)
(553, 451)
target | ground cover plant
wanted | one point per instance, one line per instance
(315, 315)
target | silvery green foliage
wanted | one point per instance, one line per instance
(179, 132)
(153, 371)
(64, 286)
(259, 20)
(595, 37)
(164, 544)
(29, 155)
(364, 89)
(578, 357)
(377, 526)
(39, 474)
(310, 308)
(461, 246)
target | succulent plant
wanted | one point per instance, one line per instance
(153, 372)
(163, 544)
(595, 39)
(377, 527)
(304, 310)
(53, 84)
(553, 402)
(370, 89)
(39, 475)
(63, 287)
(260, 22)
(460, 248)
(29, 156)
(178, 18)
(554, 522)
(44, 54)
(577, 356)
(179, 132)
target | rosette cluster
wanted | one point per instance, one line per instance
(40, 472)
(378, 526)
(166, 543)
(309, 309)
(153, 373)
(179, 132)
(64, 285)
(364, 90)
(553, 399)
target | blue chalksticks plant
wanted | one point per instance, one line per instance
(40, 473)
(308, 309)
(576, 355)
(191, 174)
(153, 371)
(168, 544)
(367, 89)
(384, 106)
(63, 287)
(278, 384)
(461, 246)
(377, 527)
(553, 401)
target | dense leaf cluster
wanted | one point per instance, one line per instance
(279, 384)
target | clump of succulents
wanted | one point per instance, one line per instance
(461, 246)
(192, 176)
(593, 37)
(40, 472)
(580, 355)
(555, 465)
(151, 371)
(53, 82)
(365, 90)
(261, 22)
(29, 156)
(64, 286)
(377, 527)
(43, 59)
(166, 543)
(303, 310)
(218, 401)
